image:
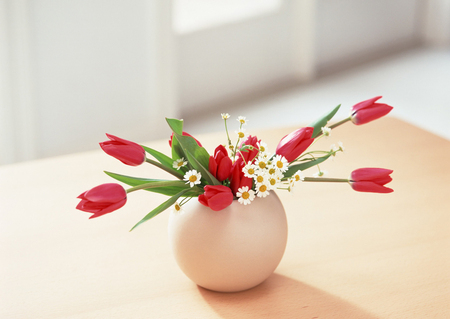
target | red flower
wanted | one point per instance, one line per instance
(220, 164)
(102, 199)
(295, 143)
(216, 197)
(184, 134)
(237, 178)
(371, 180)
(367, 111)
(125, 151)
(249, 155)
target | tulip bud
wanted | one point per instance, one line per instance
(237, 178)
(371, 180)
(220, 164)
(294, 144)
(250, 154)
(102, 199)
(184, 134)
(125, 151)
(216, 197)
(367, 111)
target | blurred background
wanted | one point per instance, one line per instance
(70, 71)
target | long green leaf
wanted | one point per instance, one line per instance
(161, 208)
(303, 166)
(176, 125)
(159, 186)
(165, 161)
(323, 121)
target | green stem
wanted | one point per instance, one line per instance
(337, 124)
(325, 179)
(176, 174)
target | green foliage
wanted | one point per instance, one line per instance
(161, 208)
(323, 121)
(303, 166)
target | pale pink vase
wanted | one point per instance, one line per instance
(231, 250)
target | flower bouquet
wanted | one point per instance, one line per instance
(239, 172)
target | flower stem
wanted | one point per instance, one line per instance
(325, 179)
(176, 174)
(340, 122)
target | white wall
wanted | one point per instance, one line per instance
(78, 69)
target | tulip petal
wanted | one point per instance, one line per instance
(220, 201)
(370, 114)
(366, 103)
(366, 186)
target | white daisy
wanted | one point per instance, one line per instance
(273, 181)
(192, 177)
(262, 147)
(249, 170)
(326, 131)
(291, 187)
(225, 116)
(341, 146)
(242, 120)
(262, 190)
(261, 177)
(261, 162)
(298, 177)
(281, 163)
(179, 163)
(177, 208)
(241, 133)
(245, 195)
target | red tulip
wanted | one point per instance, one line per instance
(371, 180)
(367, 111)
(249, 155)
(125, 151)
(220, 164)
(295, 143)
(102, 199)
(184, 134)
(237, 178)
(216, 197)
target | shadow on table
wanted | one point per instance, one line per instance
(282, 297)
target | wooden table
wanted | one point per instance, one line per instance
(349, 254)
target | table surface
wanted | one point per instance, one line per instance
(349, 254)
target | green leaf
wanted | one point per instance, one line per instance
(323, 121)
(165, 187)
(165, 161)
(303, 166)
(176, 125)
(161, 208)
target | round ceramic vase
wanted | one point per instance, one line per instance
(230, 250)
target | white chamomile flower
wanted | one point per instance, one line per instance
(261, 177)
(341, 146)
(179, 163)
(262, 147)
(326, 131)
(241, 133)
(242, 120)
(320, 173)
(225, 116)
(177, 208)
(291, 184)
(261, 162)
(298, 177)
(281, 163)
(273, 181)
(249, 170)
(262, 190)
(192, 177)
(245, 195)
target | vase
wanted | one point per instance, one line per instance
(230, 250)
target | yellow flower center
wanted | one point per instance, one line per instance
(262, 164)
(177, 207)
(259, 179)
(262, 188)
(279, 164)
(272, 171)
(180, 164)
(241, 135)
(242, 121)
(192, 178)
(251, 171)
(273, 181)
(262, 148)
(245, 195)
(297, 178)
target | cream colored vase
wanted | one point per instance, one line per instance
(230, 250)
